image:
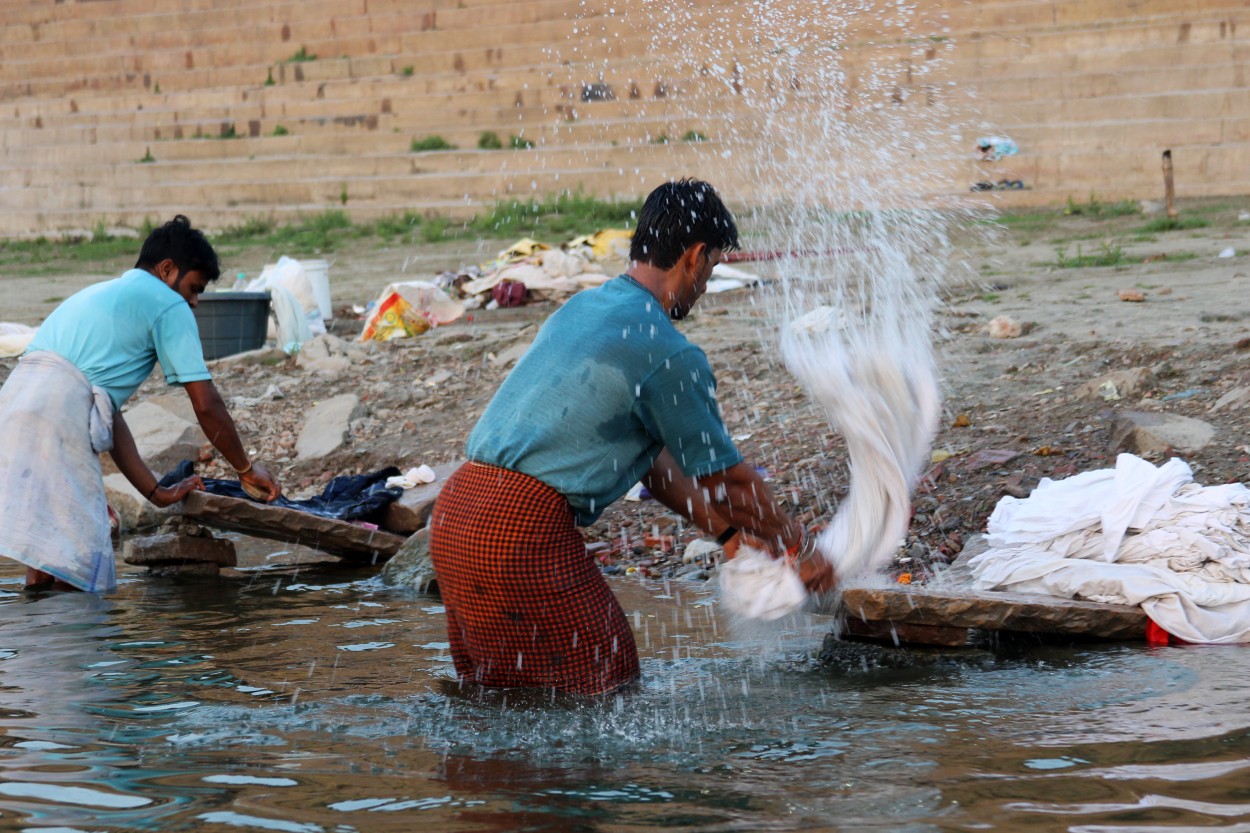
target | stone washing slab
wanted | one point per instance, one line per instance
(412, 511)
(338, 538)
(989, 610)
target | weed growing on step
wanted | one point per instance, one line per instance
(1097, 208)
(343, 194)
(520, 143)
(302, 55)
(489, 140)
(407, 71)
(1107, 255)
(431, 143)
(279, 130)
(662, 139)
(1172, 224)
(228, 132)
(269, 80)
(147, 157)
(693, 136)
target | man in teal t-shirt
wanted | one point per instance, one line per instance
(61, 407)
(610, 393)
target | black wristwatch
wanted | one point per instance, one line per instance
(723, 538)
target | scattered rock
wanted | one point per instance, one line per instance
(263, 356)
(411, 566)
(1235, 398)
(1133, 295)
(1119, 384)
(512, 354)
(328, 426)
(1147, 432)
(1006, 327)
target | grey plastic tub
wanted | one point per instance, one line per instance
(232, 322)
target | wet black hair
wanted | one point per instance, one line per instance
(678, 215)
(185, 246)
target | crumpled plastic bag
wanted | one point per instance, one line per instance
(412, 478)
(409, 309)
(288, 273)
(14, 339)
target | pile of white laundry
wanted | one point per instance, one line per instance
(1137, 535)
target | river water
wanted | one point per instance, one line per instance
(326, 702)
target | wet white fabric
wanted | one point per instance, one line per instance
(53, 512)
(878, 387)
(1137, 534)
(756, 585)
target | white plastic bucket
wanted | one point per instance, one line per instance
(318, 274)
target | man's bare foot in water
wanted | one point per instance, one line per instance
(39, 580)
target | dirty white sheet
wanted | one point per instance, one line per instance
(1138, 534)
(53, 511)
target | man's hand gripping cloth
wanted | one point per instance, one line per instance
(53, 512)
(880, 390)
(526, 605)
(1136, 534)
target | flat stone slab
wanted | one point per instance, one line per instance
(990, 610)
(172, 548)
(339, 538)
(412, 511)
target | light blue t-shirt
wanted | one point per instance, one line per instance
(116, 331)
(608, 383)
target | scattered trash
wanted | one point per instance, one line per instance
(962, 421)
(1006, 327)
(1185, 394)
(14, 339)
(1132, 295)
(1229, 252)
(409, 309)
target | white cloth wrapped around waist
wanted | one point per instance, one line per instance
(53, 512)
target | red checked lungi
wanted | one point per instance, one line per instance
(526, 605)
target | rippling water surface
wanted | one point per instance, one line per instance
(324, 704)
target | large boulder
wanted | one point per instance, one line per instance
(412, 567)
(328, 426)
(1149, 432)
(163, 437)
(132, 508)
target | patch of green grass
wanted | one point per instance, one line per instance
(662, 139)
(436, 230)
(1025, 221)
(489, 140)
(1097, 208)
(302, 55)
(520, 143)
(693, 136)
(991, 298)
(1180, 257)
(408, 71)
(1107, 255)
(279, 130)
(555, 217)
(1159, 224)
(229, 132)
(55, 299)
(430, 143)
(343, 194)
(147, 157)
(269, 80)
(397, 225)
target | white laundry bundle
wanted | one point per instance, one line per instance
(1137, 534)
(878, 387)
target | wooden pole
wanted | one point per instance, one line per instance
(1169, 190)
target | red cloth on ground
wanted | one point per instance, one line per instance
(526, 605)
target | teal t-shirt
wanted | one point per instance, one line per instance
(608, 383)
(116, 331)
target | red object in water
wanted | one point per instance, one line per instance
(1156, 635)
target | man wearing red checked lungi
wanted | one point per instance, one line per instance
(610, 393)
